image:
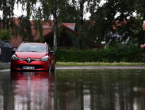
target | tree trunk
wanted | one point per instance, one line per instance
(55, 29)
(5, 21)
(54, 10)
(144, 12)
(80, 23)
(55, 34)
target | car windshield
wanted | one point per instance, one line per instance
(32, 48)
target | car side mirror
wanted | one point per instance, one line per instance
(51, 52)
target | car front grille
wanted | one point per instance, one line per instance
(28, 60)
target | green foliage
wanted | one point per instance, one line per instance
(7, 6)
(23, 29)
(112, 54)
(120, 54)
(98, 28)
(75, 55)
(115, 12)
(5, 34)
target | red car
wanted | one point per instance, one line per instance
(33, 56)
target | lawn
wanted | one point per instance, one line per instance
(98, 64)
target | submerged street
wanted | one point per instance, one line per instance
(73, 89)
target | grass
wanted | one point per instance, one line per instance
(91, 64)
(98, 64)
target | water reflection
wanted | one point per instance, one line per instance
(32, 90)
(101, 90)
(73, 90)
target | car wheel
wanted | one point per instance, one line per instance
(11, 70)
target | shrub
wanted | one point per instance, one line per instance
(112, 54)
(5, 34)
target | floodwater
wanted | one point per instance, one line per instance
(100, 89)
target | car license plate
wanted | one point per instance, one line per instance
(28, 67)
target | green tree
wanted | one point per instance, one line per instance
(6, 7)
(116, 18)
(24, 26)
(23, 29)
(48, 9)
(79, 11)
(69, 13)
(5, 34)
(99, 27)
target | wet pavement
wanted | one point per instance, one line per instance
(91, 67)
(74, 88)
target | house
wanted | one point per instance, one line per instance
(64, 40)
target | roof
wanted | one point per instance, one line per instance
(47, 30)
(67, 26)
(15, 41)
(70, 25)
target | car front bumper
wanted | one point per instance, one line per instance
(34, 65)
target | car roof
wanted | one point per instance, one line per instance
(32, 43)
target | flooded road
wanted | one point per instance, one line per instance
(96, 89)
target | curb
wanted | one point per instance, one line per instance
(4, 65)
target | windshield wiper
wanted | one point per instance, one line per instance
(33, 51)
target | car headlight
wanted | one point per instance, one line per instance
(45, 58)
(14, 57)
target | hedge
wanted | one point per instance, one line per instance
(111, 54)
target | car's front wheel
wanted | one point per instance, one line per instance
(11, 70)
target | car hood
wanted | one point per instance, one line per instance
(33, 55)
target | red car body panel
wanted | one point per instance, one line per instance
(35, 60)
(45, 65)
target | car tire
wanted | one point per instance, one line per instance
(11, 70)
